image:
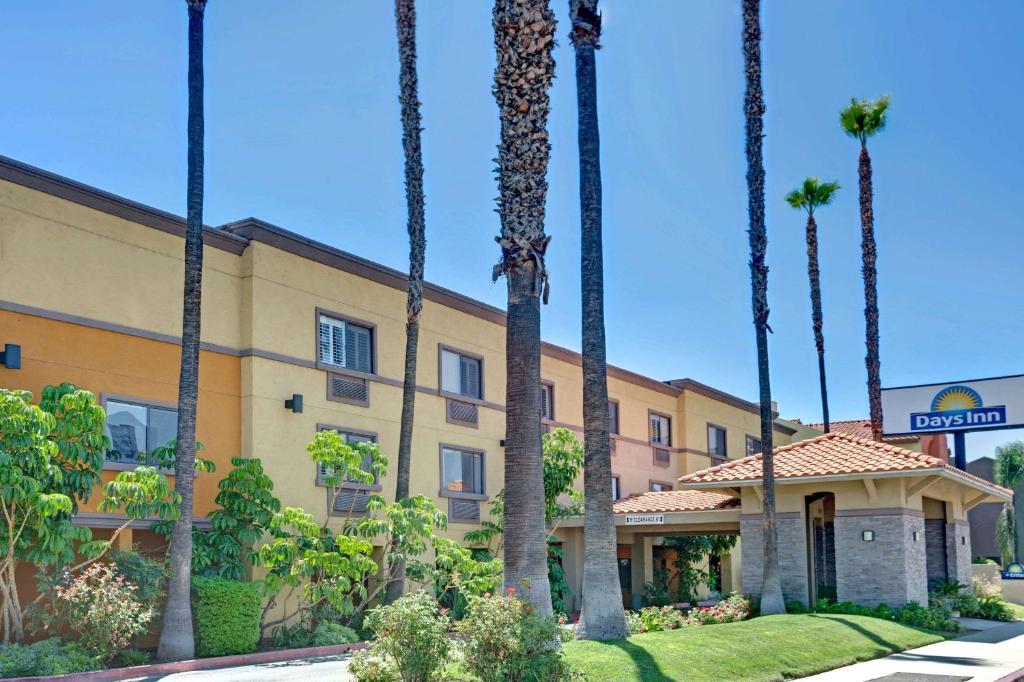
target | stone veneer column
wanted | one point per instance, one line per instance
(888, 570)
(792, 555)
(958, 551)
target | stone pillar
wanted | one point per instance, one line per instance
(792, 555)
(958, 551)
(889, 569)
(642, 563)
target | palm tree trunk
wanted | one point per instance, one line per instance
(524, 32)
(816, 317)
(526, 563)
(869, 255)
(602, 617)
(771, 591)
(405, 23)
(176, 639)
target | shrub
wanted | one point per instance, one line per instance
(411, 641)
(985, 561)
(365, 666)
(132, 657)
(226, 615)
(100, 607)
(986, 602)
(732, 609)
(930, 618)
(148, 575)
(655, 594)
(327, 634)
(505, 641)
(655, 619)
(46, 657)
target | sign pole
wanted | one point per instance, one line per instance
(960, 450)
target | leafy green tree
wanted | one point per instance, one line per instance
(861, 120)
(524, 38)
(809, 196)
(37, 448)
(1009, 473)
(692, 554)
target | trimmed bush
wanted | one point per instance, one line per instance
(47, 657)
(328, 634)
(226, 615)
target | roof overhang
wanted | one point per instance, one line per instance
(944, 472)
(710, 517)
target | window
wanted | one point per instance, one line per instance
(661, 429)
(716, 441)
(547, 402)
(345, 344)
(462, 471)
(460, 374)
(753, 445)
(659, 487)
(613, 417)
(135, 430)
(350, 437)
(615, 487)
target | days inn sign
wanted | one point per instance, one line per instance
(977, 405)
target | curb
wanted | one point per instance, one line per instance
(1013, 677)
(114, 674)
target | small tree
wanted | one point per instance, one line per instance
(1009, 473)
(692, 553)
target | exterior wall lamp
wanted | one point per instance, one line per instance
(11, 356)
(294, 403)
(917, 536)
(868, 536)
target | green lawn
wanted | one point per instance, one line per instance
(762, 649)
(1017, 609)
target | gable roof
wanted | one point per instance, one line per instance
(861, 428)
(834, 455)
(674, 501)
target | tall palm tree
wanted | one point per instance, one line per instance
(408, 85)
(1009, 473)
(602, 616)
(176, 640)
(861, 120)
(753, 104)
(524, 33)
(812, 194)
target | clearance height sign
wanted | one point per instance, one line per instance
(977, 405)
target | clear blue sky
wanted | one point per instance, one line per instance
(303, 131)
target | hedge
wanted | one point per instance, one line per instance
(226, 614)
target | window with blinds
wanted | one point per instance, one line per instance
(615, 487)
(613, 417)
(659, 487)
(349, 437)
(547, 402)
(716, 441)
(346, 344)
(462, 471)
(460, 374)
(753, 445)
(661, 430)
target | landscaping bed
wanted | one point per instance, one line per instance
(762, 649)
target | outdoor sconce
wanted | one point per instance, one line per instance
(11, 356)
(917, 536)
(501, 442)
(294, 403)
(868, 535)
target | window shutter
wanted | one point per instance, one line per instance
(358, 348)
(337, 344)
(325, 341)
(655, 429)
(613, 417)
(470, 376)
(544, 413)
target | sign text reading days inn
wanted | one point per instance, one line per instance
(961, 406)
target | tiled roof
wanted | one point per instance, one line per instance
(674, 501)
(833, 454)
(860, 428)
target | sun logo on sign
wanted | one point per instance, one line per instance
(956, 398)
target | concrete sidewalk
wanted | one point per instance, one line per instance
(990, 655)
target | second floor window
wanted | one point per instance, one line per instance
(613, 417)
(350, 438)
(658, 487)
(462, 471)
(135, 430)
(460, 374)
(716, 441)
(547, 402)
(753, 445)
(615, 487)
(345, 344)
(661, 430)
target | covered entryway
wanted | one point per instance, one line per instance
(821, 545)
(936, 563)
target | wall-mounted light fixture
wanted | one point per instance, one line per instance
(294, 403)
(501, 442)
(917, 536)
(11, 356)
(868, 535)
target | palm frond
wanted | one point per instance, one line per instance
(797, 199)
(864, 118)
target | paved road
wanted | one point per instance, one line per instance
(333, 668)
(991, 654)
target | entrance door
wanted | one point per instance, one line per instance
(934, 540)
(821, 546)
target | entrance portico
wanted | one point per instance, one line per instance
(857, 520)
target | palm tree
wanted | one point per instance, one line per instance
(524, 32)
(753, 104)
(405, 23)
(810, 196)
(602, 616)
(1009, 473)
(176, 641)
(861, 120)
